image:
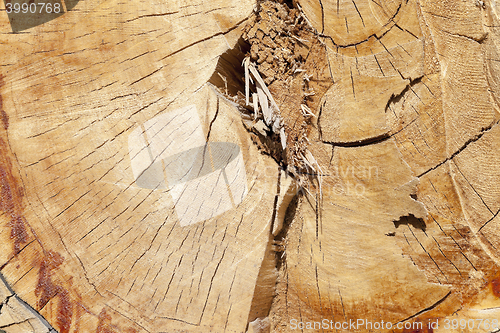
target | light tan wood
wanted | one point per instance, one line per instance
(400, 82)
(104, 254)
(345, 158)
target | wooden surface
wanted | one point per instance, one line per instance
(382, 206)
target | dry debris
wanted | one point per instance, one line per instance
(277, 38)
(286, 74)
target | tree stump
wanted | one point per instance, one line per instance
(259, 166)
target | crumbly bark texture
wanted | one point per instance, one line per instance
(293, 63)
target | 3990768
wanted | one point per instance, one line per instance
(33, 8)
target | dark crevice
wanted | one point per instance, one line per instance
(433, 306)
(322, 17)
(213, 120)
(395, 98)
(491, 219)
(479, 40)
(411, 220)
(6, 300)
(275, 203)
(289, 3)
(464, 146)
(320, 131)
(274, 259)
(229, 79)
(228, 76)
(282, 235)
(361, 143)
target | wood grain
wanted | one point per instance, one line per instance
(398, 220)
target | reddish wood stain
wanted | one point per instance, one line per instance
(11, 199)
(64, 312)
(3, 115)
(11, 204)
(495, 287)
(11, 193)
(104, 325)
(45, 288)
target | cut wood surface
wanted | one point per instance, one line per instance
(218, 166)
